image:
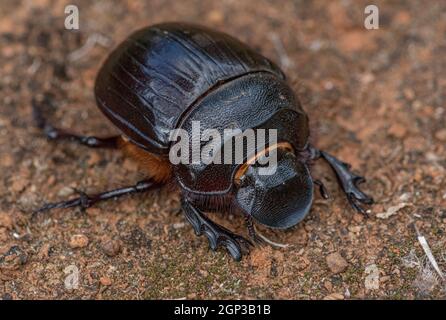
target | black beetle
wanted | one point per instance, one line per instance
(169, 75)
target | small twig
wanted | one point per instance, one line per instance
(423, 242)
(285, 61)
(92, 40)
(32, 69)
(275, 244)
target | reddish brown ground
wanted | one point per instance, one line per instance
(376, 99)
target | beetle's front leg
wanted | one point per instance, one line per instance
(216, 234)
(347, 179)
(252, 231)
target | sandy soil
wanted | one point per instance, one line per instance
(376, 99)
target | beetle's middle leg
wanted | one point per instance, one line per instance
(216, 234)
(347, 179)
(54, 133)
(85, 201)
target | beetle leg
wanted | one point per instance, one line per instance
(85, 201)
(322, 189)
(252, 231)
(348, 181)
(216, 234)
(54, 133)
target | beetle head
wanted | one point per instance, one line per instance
(277, 200)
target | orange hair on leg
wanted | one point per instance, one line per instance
(156, 167)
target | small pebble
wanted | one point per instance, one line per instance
(398, 130)
(6, 221)
(93, 211)
(409, 94)
(111, 247)
(334, 296)
(78, 241)
(178, 225)
(94, 159)
(441, 135)
(336, 262)
(105, 281)
(6, 160)
(347, 293)
(65, 192)
(328, 285)
(215, 16)
(44, 251)
(18, 185)
(371, 281)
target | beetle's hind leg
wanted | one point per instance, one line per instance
(85, 201)
(216, 234)
(54, 133)
(347, 179)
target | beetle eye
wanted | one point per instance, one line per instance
(244, 181)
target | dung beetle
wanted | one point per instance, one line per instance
(168, 76)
